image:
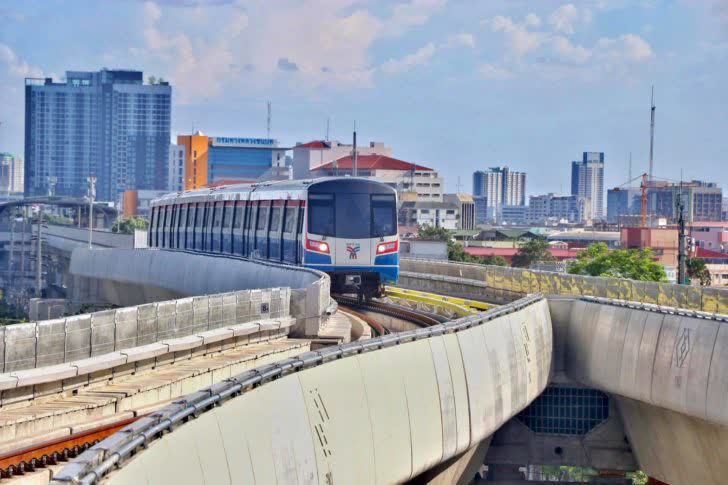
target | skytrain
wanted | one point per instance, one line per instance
(344, 226)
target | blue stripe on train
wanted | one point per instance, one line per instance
(388, 274)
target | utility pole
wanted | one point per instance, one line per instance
(39, 262)
(681, 260)
(328, 123)
(268, 125)
(652, 130)
(91, 195)
(354, 156)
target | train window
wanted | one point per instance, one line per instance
(384, 215)
(218, 215)
(251, 215)
(275, 219)
(262, 218)
(290, 219)
(191, 216)
(227, 219)
(353, 217)
(321, 214)
(238, 216)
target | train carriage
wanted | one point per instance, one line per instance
(344, 226)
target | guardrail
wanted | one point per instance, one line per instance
(519, 281)
(94, 463)
(30, 345)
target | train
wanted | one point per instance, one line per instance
(343, 226)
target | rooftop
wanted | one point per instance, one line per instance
(373, 162)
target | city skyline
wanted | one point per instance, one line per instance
(504, 83)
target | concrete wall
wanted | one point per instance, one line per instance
(132, 277)
(667, 370)
(518, 282)
(68, 237)
(49, 342)
(380, 415)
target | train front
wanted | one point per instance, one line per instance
(352, 234)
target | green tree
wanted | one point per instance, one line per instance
(697, 270)
(127, 225)
(533, 251)
(634, 264)
(494, 260)
(455, 250)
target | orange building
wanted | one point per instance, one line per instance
(196, 147)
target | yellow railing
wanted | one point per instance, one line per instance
(458, 306)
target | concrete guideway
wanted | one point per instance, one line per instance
(430, 394)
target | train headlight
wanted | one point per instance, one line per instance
(324, 247)
(388, 247)
(318, 246)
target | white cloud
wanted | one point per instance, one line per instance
(627, 47)
(421, 56)
(568, 51)
(462, 39)
(532, 20)
(521, 40)
(412, 13)
(16, 66)
(564, 18)
(491, 71)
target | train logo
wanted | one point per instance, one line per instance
(353, 250)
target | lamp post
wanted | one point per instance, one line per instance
(91, 196)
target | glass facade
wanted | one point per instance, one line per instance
(107, 123)
(239, 163)
(566, 410)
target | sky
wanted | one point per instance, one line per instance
(457, 85)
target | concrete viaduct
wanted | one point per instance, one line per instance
(611, 374)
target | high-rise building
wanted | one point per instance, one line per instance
(500, 186)
(11, 174)
(466, 209)
(623, 202)
(587, 180)
(176, 173)
(108, 124)
(214, 160)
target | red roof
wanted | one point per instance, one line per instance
(508, 253)
(372, 162)
(709, 254)
(319, 144)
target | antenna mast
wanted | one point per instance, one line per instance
(630, 166)
(328, 123)
(268, 126)
(652, 129)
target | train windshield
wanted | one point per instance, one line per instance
(352, 215)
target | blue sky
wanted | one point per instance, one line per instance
(458, 85)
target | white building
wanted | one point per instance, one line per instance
(499, 186)
(176, 168)
(12, 173)
(569, 208)
(411, 180)
(466, 209)
(433, 214)
(307, 156)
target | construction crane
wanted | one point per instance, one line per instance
(644, 184)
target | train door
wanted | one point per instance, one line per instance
(206, 213)
(209, 223)
(173, 227)
(165, 221)
(216, 232)
(274, 231)
(152, 228)
(353, 229)
(261, 234)
(199, 227)
(238, 219)
(227, 227)
(181, 226)
(190, 228)
(288, 236)
(301, 218)
(250, 224)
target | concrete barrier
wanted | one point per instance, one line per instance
(419, 393)
(38, 344)
(670, 358)
(509, 284)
